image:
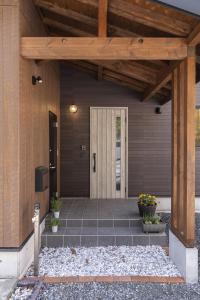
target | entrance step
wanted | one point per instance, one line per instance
(101, 232)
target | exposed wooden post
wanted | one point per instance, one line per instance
(102, 27)
(183, 151)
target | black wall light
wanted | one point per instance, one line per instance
(158, 110)
(37, 80)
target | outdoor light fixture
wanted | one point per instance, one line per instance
(73, 108)
(37, 80)
(158, 110)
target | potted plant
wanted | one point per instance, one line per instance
(54, 224)
(147, 204)
(56, 206)
(153, 224)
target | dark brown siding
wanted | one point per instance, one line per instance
(149, 136)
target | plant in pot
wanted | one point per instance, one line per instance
(147, 204)
(54, 224)
(153, 224)
(56, 206)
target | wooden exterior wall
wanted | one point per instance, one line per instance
(24, 122)
(149, 136)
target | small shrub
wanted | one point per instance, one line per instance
(54, 222)
(56, 204)
(148, 219)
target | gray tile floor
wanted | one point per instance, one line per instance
(85, 208)
(103, 222)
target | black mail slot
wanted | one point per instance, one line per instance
(41, 179)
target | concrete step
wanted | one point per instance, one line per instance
(93, 236)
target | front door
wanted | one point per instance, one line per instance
(108, 152)
(52, 154)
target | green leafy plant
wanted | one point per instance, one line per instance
(149, 219)
(56, 204)
(54, 222)
(147, 200)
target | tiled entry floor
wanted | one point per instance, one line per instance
(102, 222)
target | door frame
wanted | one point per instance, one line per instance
(54, 117)
(126, 142)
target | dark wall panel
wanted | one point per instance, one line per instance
(149, 136)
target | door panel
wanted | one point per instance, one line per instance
(108, 152)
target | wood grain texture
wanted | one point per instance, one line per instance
(103, 48)
(183, 148)
(35, 104)
(9, 129)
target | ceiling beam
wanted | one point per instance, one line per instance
(194, 37)
(102, 27)
(57, 48)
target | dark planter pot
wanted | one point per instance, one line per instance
(154, 228)
(147, 210)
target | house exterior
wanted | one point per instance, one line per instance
(50, 59)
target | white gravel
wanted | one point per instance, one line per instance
(21, 293)
(113, 260)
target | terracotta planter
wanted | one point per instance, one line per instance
(154, 228)
(147, 210)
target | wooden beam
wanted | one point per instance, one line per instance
(113, 30)
(183, 152)
(194, 37)
(103, 48)
(102, 27)
(164, 77)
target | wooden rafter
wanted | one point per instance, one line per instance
(163, 79)
(132, 11)
(103, 48)
(194, 37)
(130, 68)
(102, 27)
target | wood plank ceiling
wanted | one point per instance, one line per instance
(122, 18)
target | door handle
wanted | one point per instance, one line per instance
(94, 166)
(52, 167)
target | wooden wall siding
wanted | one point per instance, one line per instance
(35, 103)
(9, 125)
(149, 135)
(183, 152)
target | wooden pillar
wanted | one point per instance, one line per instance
(183, 152)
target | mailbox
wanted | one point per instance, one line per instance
(41, 179)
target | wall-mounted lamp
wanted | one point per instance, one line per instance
(37, 80)
(158, 110)
(73, 108)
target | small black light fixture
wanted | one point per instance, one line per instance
(158, 110)
(37, 80)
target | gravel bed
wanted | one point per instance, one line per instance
(123, 291)
(21, 293)
(113, 260)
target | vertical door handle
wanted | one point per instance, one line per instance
(94, 165)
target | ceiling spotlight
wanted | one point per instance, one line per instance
(37, 80)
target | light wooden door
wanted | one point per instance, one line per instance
(108, 152)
